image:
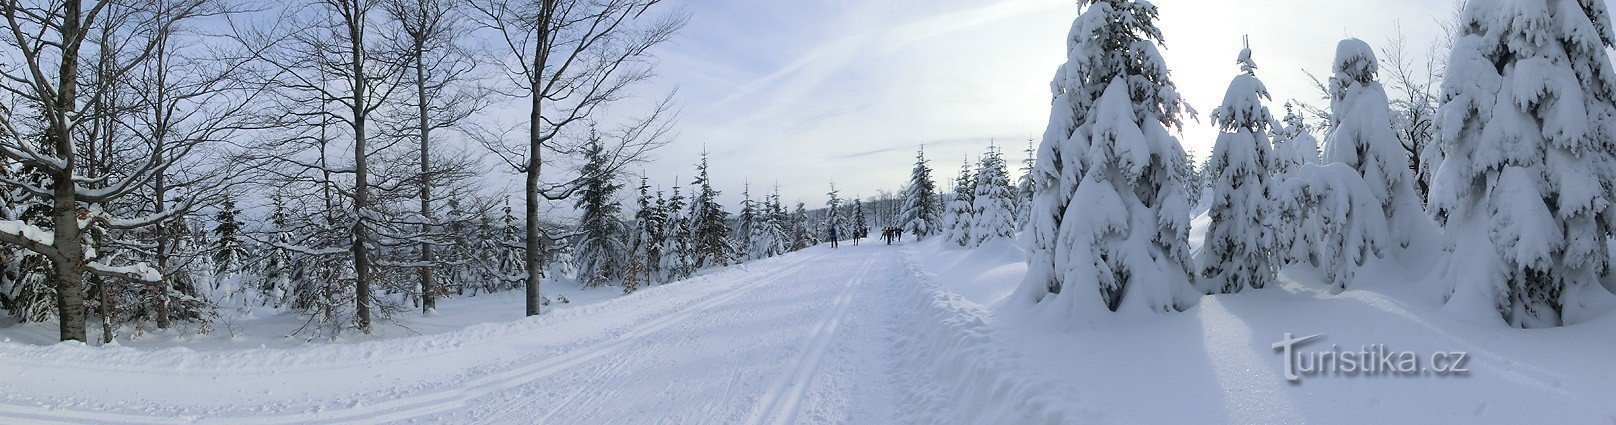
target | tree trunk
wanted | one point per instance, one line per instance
(535, 164)
(361, 253)
(159, 195)
(70, 264)
(429, 299)
(64, 213)
(531, 213)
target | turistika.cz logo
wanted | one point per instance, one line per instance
(1373, 360)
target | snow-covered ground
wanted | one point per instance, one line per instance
(914, 333)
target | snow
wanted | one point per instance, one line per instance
(909, 333)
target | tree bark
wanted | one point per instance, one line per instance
(64, 213)
(361, 253)
(535, 164)
(429, 299)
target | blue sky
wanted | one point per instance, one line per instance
(806, 92)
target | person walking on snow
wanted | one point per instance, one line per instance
(833, 237)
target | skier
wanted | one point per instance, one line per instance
(833, 237)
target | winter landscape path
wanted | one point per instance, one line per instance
(801, 338)
(872, 334)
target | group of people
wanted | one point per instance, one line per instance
(858, 233)
(892, 234)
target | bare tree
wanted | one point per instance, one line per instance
(60, 113)
(429, 33)
(1415, 84)
(571, 59)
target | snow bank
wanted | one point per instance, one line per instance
(972, 375)
(321, 356)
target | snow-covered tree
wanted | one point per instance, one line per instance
(802, 235)
(677, 250)
(1119, 239)
(1294, 147)
(921, 210)
(1025, 187)
(769, 235)
(602, 244)
(957, 225)
(860, 222)
(708, 228)
(649, 223)
(1528, 124)
(833, 215)
(1238, 249)
(228, 251)
(1362, 138)
(993, 205)
(1342, 229)
(750, 220)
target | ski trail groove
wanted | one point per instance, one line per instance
(455, 396)
(784, 400)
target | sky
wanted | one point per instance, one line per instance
(805, 93)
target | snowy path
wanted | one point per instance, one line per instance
(797, 339)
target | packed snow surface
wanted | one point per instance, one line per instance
(878, 334)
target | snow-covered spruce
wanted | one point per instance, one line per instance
(1025, 187)
(921, 211)
(1120, 248)
(833, 216)
(993, 206)
(958, 223)
(803, 234)
(677, 250)
(1362, 138)
(1120, 237)
(1341, 228)
(1238, 249)
(773, 234)
(860, 220)
(649, 223)
(1112, 39)
(748, 222)
(1527, 124)
(602, 236)
(1294, 147)
(708, 229)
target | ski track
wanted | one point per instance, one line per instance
(784, 400)
(456, 395)
(713, 374)
(813, 337)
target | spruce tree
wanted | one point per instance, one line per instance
(228, 252)
(1238, 248)
(708, 223)
(1294, 147)
(860, 222)
(676, 250)
(749, 226)
(958, 224)
(777, 231)
(1527, 124)
(802, 236)
(649, 223)
(833, 216)
(993, 205)
(602, 236)
(1025, 187)
(1362, 138)
(921, 211)
(1110, 220)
